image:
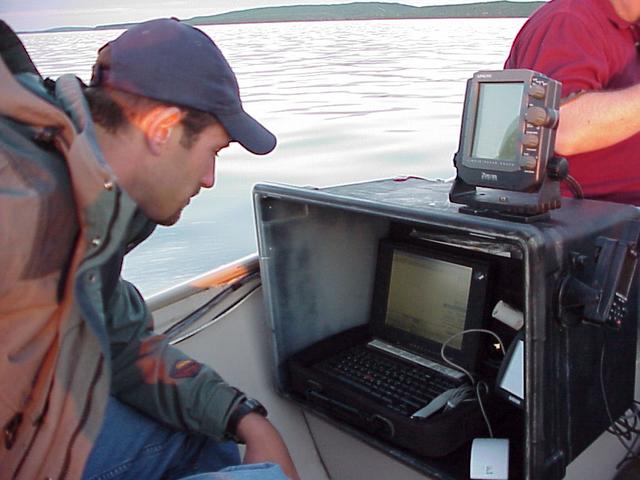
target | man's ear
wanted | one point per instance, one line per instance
(158, 124)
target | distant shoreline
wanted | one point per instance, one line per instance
(343, 12)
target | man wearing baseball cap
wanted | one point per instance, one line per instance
(88, 390)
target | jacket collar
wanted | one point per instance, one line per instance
(24, 106)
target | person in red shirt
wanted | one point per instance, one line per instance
(591, 46)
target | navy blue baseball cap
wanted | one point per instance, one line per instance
(178, 64)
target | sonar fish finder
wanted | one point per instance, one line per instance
(507, 144)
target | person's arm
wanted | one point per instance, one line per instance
(561, 45)
(158, 379)
(264, 444)
(595, 120)
(167, 385)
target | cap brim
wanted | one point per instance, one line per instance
(248, 132)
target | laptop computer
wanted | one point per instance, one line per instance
(388, 376)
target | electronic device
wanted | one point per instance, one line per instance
(602, 299)
(510, 380)
(388, 376)
(614, 274)
(507, 143)
(424, 296)
(489, 459)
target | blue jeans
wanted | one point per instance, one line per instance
(133, 446)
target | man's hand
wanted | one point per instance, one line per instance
(264, 444)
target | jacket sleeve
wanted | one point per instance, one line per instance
(159, 379)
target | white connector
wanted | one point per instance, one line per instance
(508, 315)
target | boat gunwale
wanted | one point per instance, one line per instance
(215, 278)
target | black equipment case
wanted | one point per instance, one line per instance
(317, 252)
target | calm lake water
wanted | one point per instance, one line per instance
(348, 101)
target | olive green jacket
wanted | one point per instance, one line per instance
(72, 331)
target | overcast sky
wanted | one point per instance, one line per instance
(42, 14)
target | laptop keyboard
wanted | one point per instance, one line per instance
(397, 385)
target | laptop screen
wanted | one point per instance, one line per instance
(424, 297)
(428, 297)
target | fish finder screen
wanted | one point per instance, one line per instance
(497, 118)
(428, 297)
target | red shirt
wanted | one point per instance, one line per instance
(587, 46)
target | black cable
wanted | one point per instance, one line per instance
(175, 330)
(574, 187)
(475, 384)
(184, 323)
(315, 444)
(621, 427)
(214, 319)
